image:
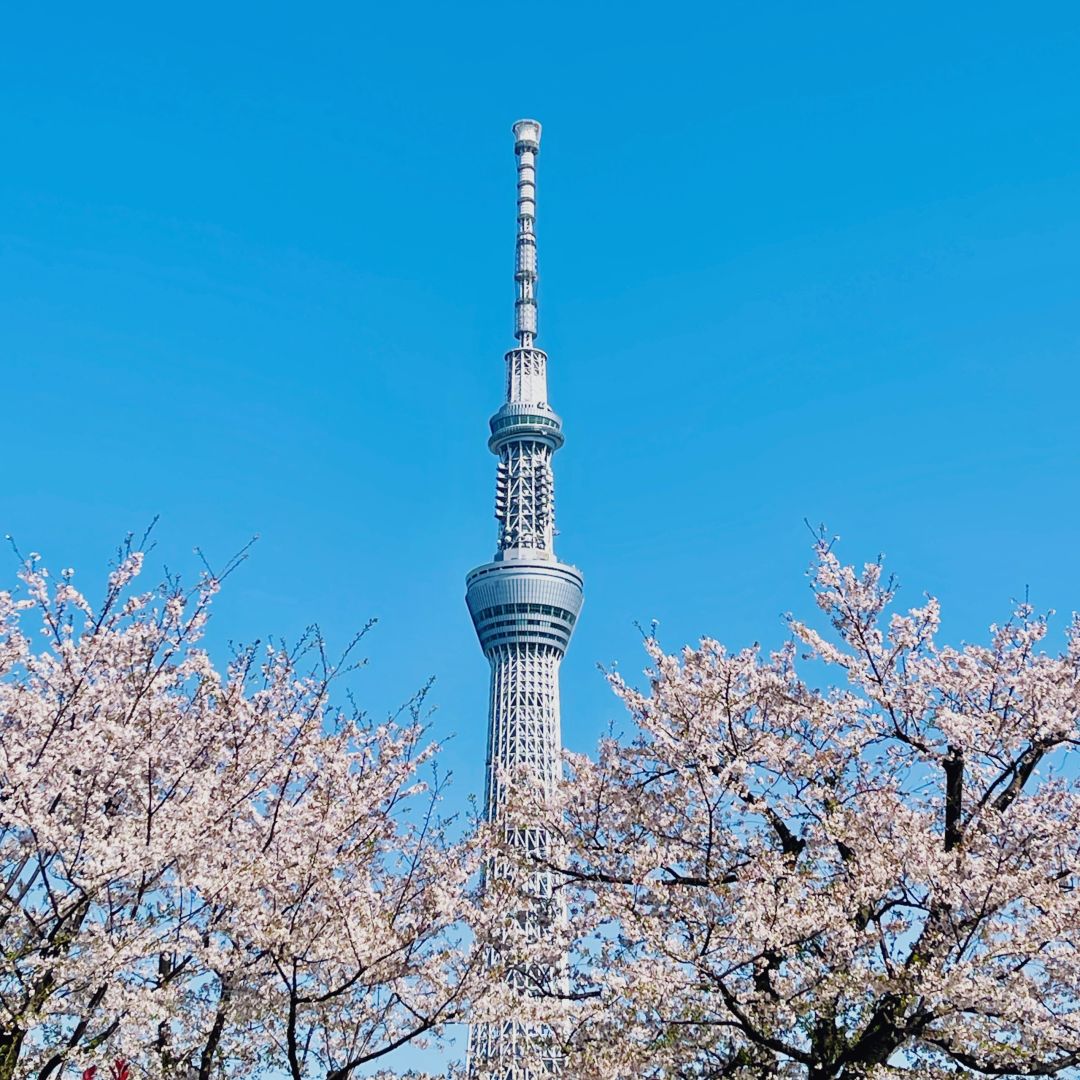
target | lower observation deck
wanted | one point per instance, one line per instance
(519, 601)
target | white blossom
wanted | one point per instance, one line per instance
(777, 879)
(209, 874)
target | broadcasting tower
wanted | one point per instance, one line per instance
(524, 604)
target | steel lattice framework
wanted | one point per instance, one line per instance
(524, 605)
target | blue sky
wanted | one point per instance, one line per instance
(798, 261)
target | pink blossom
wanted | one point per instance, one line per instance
(775, 878)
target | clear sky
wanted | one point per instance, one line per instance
(797, 261)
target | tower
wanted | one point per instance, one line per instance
(524, 604)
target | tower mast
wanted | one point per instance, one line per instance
(524, 605)
(526, 146)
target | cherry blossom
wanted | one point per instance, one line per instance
(774, 878)
(210, 873)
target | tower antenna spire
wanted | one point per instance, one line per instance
(526, 146)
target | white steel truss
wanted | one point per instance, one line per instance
(523, 727)
(524, 496)
(526, 376)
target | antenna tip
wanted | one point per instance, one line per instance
(527, 134)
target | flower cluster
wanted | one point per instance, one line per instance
(882, 879)
(211, 873)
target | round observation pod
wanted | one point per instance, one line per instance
(522, 421)
(524, 602)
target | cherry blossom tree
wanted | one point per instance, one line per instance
(206, 873)
(777, 879)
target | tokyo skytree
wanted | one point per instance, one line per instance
(524, 605)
